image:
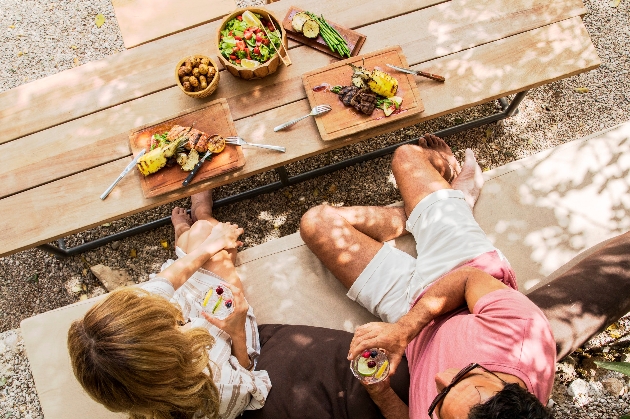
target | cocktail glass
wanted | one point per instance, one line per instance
(218, 302)
(371, 366)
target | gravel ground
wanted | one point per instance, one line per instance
(39, 38)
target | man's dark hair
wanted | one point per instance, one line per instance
(513, 402)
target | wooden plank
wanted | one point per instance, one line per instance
(354, 40)
(142, 21)
(143, 70)
(213, 119)
(475, 76)
(76, 145)
(342, 120)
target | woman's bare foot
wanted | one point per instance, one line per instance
(470, 179)
(437, 144)
(181, 221)
(201, 205)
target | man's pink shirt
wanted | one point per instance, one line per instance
(506, 333)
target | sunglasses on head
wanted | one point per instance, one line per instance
(458, 377)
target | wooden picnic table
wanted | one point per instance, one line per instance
(65, 137)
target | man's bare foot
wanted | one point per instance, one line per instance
(181, 221)
(470, 179)
(437, 144)
(201, 205)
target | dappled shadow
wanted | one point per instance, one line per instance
(588, 297)
(544, 210)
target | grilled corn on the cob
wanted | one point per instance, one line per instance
(155, 159)
(382, 83)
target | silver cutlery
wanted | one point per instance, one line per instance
(317, 110)
(195, 169)
(123, 173)
(418, 73)
(242, 142)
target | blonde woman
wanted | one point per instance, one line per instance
(150, 351)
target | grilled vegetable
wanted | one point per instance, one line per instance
(360, 77)
(191, 161)
(382, 83)
(298, 21)
(310, 29)
(155, 159)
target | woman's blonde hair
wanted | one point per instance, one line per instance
(129, 355)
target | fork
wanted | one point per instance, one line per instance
(317, 110)
(242, 142)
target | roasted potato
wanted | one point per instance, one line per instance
(195, 72)
(203, 69)
(187, 87)
(205, 61)
(194, 82)
(181, 72)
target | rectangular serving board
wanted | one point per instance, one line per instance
(353, 38)
(212, 119)
(343, 121)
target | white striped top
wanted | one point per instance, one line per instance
(239, 389)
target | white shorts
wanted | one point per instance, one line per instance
(446, 235)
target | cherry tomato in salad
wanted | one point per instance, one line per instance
(238, 38)
(235, 49)
(232, 57)
(259, 38)
(240, 18)
(257, 51)
(241, 45)
(248, 35)
(266, 41)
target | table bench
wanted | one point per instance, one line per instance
(80, 118)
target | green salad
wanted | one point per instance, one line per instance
(245, 43)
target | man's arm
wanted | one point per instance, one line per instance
(464, 286)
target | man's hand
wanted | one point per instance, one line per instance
(389, 336)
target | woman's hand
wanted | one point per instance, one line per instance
(234, 324)
(226, 234)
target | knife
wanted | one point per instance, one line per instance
(196, 168)
(123, 173)
(418, 73)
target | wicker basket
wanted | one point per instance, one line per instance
(264, 69)
(212, 86)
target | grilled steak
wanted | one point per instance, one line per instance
(363, 100)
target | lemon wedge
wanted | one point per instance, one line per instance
(381, 370)
(251, 19)
(249, 63)
(208, 295)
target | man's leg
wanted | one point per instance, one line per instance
(189, 239)
(430, 166)
(346, 239)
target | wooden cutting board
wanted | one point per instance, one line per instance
(353, 38)
(212, 119)
(342, 120)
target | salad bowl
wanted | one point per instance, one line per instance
(251, 54)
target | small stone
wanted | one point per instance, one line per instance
(613, 386)
(111, 278)
(115, 245)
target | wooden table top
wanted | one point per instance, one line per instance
(79, 120)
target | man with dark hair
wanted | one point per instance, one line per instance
(473, 342)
